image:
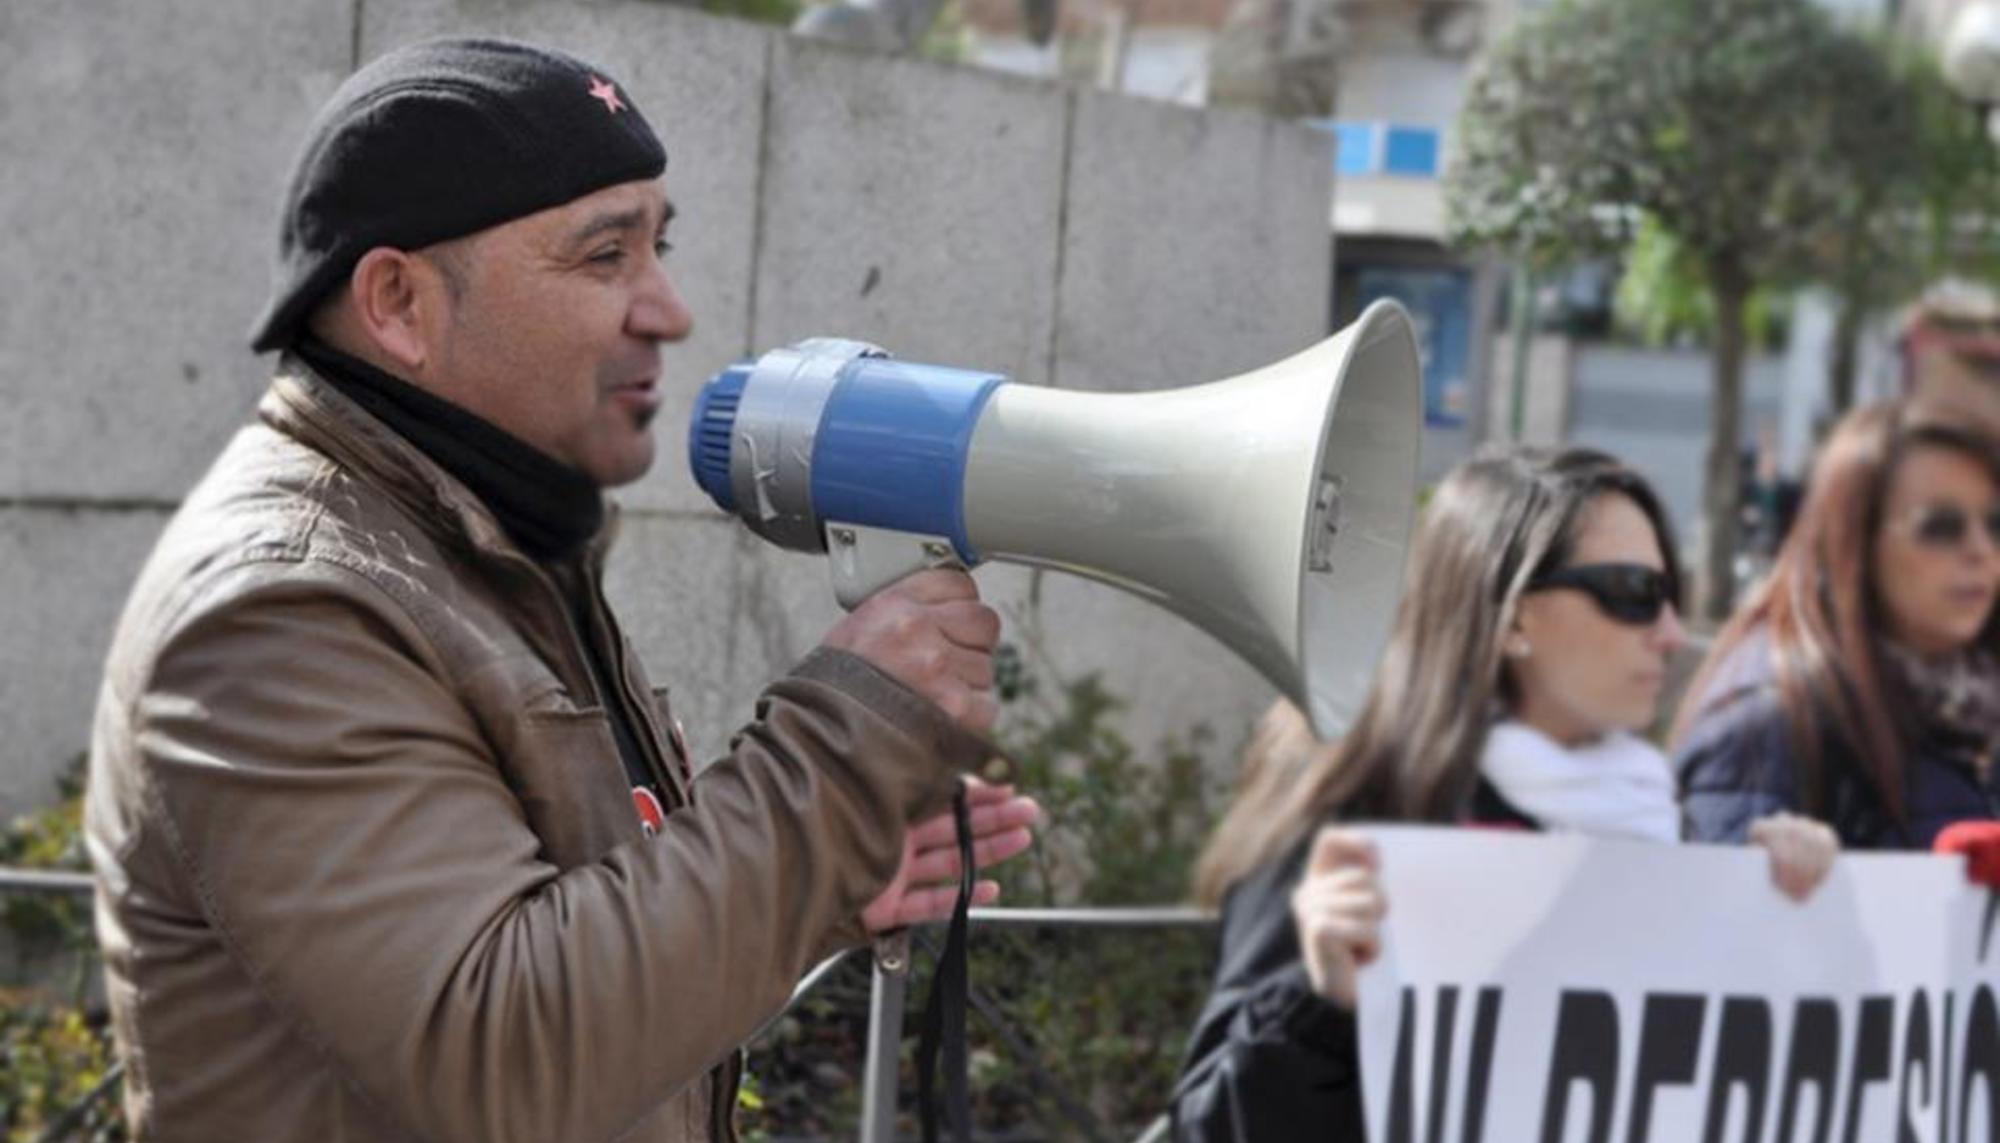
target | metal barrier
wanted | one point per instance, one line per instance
(44, 881)
(60, 883)
(888, 997)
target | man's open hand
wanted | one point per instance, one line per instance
(926, 884)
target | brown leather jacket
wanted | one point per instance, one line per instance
(369, 865)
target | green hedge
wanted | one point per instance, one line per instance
(55, 1050)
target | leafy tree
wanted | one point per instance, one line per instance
(1959, 192)
(1663, 297)
(1923, 203)
(1729, 122)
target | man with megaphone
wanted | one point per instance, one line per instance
(393, 839)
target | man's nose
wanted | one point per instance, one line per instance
(658, 312)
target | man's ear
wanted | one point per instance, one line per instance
(399, 304)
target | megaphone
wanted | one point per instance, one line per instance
(1271, 509)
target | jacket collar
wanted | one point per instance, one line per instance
(304, 406)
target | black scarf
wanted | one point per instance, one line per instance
(547, 507)
(1957, 700)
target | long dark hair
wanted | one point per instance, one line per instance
(1496, 522)
(1823, 614)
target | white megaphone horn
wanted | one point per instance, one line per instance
(1271, 509)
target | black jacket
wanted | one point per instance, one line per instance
(1270, 1060)
(1737, 763)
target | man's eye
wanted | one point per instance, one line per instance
(610, 255)
(661, 246)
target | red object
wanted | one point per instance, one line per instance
(1980, 843)
(652, 816)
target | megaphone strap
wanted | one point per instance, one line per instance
(944, 1008)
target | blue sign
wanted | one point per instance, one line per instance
(1363, 147)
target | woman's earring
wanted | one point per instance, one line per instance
(1517, 648)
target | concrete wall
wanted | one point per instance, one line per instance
(1065, 238)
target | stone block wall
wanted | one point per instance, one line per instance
(965, 218)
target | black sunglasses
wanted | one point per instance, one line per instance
(1948, 525)
(1628, 593)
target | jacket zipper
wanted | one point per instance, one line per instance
(727, 1078)
(724, 1080)
(612, 693)
(664, 772)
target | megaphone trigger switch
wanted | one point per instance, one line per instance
(865, 560)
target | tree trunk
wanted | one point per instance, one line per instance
(1845, 359)
(1732, 293)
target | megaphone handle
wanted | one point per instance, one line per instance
(865, 560)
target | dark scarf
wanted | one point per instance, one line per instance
(1958, 700)
(547, 507)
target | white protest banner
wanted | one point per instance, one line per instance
(1550, 989)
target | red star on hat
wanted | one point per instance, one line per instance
(602, 89)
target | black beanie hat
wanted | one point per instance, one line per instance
(439, 140)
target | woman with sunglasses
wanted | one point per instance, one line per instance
(1860, 683)
(1529, 650)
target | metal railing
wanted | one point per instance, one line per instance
(888, 998)
(889, 993)
(60, 883)
(44, 881)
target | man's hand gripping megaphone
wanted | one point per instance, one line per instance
(930, 632)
